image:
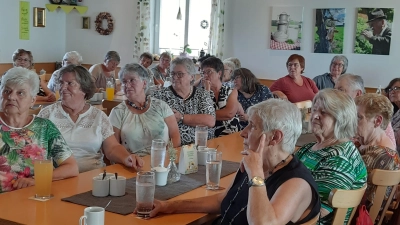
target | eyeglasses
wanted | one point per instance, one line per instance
(337, 64)
(178, 74)
(69, 83)
(129, 81)
(207, 72)
(393, 89)
(296, 65)
(21, 59)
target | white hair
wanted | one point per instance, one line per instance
(355, 82)
(229, 64)
(74, 57)
(18, 76)
(278, 114)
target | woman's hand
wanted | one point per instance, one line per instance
(177, 115)
(51, 97)
(158, 206)
(280, 95)
(23, 183)
(206, 84)
(134, 161)
(252, 161)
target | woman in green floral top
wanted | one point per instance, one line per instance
(24, 137)
(333, 160)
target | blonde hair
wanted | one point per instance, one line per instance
(376, 104)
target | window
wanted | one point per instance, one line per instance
(194, 28)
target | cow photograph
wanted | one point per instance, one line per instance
(329, 30)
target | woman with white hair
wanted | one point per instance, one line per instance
(333, 160)
(339, 64)
(273, 186)
(229, 67)
(25, 137)
(69, 58)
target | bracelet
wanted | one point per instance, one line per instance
(181, 118)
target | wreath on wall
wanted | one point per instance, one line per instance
(99, 23)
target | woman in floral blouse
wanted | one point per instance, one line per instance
(25, 137)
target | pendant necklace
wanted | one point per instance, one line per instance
(139, 107)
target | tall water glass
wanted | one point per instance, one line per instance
(201, 134)
(213, 169)
(43, 170)
(145, 186)
(158, 149)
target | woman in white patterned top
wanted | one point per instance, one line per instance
(86, 129)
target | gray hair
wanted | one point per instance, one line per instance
(135, 68)
(112, 55)
(19, 76)
(82, 76)
(277, 114)
(340, 58)
(342, 108)
(74, 57)
(229, 64)
(186, 62)
(235, 61)
(355, 82)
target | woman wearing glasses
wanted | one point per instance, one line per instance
(192, 106)
(161, 70)
(393, 92)
(105, 71)
(338, 67)
(295, 86)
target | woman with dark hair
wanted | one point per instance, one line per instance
(161, 71)
(250, 92)
(393, 92)
(294, 86)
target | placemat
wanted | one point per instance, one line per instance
(8, 222)
(126, 204)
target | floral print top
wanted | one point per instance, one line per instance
(20, 146)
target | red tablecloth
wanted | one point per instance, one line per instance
(284, 46)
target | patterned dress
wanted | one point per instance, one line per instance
(20, 146)
(338, 166)
(198, 103)
(396, 129)
(224, 127)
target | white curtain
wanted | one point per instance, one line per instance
(142, 35)
(216, 42)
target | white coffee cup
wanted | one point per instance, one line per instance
(202, 156)
(161, 174)
(117, 186)
(108, 175)
(92, 216)
(101, 188)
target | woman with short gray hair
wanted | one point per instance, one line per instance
(161, 71)
(141, 118)
(192, 106)
(227, 79)
(333, 159)
(69, 58)
(105, 71)
(337, 67)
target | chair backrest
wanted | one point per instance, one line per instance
(342, 200)
(304, 104)
(109, 105)
(383, 179)
(313, 221)
(35, 111)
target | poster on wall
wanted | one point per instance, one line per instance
(286, 24)
(374, 31)
(24, 20)
(329, 30)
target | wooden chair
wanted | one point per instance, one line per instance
(109, 105)
(313, 221)
(383, 179)
(342, 200)
(304, 104)
(35, 111)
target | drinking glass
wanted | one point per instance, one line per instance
(145, 187)
(43, 170)
(213, 169)
(110, 89)
(158, 149)
(201, 134)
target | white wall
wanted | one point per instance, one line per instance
(247, 37)
(47, 44)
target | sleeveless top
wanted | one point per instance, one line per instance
(295, 169)
(224, 127)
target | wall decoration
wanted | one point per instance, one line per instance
(85, 22)
(286, 24)
(374, 31)
(39, 17)
(204, 24)
(56, 2)
(329, 30)
(99, 23)
(24, 20)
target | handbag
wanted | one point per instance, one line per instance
(363, 216)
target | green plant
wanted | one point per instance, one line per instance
(290, 41)
(171, 150)
(187, 49)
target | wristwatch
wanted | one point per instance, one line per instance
(181, 118)
(257, 182)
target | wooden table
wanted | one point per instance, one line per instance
(16, 206)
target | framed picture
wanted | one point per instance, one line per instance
(39, 17)
(85, 22)
(329, 30)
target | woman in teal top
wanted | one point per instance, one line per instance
(333, 160)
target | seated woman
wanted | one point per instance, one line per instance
(225, 98)
(86, 129)
(235, 61)
(295, 87)
(250, 92)
(69, 58)
(338, 67)
(141, 118)
(105, 71)
(393, 92)
(273, 186)
(25, 137)
(374, 112)
(333, 160)
(23, 58)
(192, 106)
(229, 67)
(161, 71)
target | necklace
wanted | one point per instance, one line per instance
(278, 164)
(139, 107)
(231, 201)
(190, 94)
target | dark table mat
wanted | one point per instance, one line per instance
(8, 222)
(126, 204)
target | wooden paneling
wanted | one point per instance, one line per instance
(48, 66)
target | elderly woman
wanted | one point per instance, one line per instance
(161, 71)
(295, 87)
(25, 137)
(86, 129)
(273, 186)
(23, 58)
(229, 67)
(235, 61)
(225, 98)
(338, 67)
(192, 106)
(333, 160)
(393, 92)
(69, 58)
(250, 92)
(374, 112)
(146, 59)
(141, 118)
(105, 71)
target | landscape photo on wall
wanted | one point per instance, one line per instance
(329, 30)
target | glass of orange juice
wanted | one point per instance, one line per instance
(43, 169)
(110, 90)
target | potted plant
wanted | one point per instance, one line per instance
(186, 51)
